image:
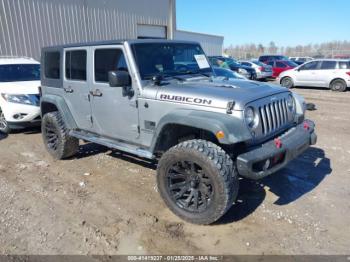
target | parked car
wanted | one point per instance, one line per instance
(300, 60)
(262, 70)
(330, 73)
(227, 73)
(280, 66)
(232, 64)
(19, 93)
(267, 58)
(205, 133)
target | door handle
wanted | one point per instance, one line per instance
(68, 90)
(96, 92)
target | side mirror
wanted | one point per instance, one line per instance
(119, 79)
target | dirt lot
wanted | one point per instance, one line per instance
(104, 202)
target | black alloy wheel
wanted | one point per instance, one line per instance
(190, 188)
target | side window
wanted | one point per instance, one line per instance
(344, 65)
(52, 65)
(280, 65)
(108, 60)
(328, 65)
(246, 64)
(76, 65)
(309, 66)
(271, 63)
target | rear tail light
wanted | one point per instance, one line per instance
(348, 73)
(261, 68)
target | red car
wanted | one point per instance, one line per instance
(280, 66)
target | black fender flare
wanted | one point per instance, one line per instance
(233, 127)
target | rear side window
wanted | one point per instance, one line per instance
(271, 63)
(108, 60)
(76, 65)
(344, 65)
(328, 64)
(280, 65)
(52, 65)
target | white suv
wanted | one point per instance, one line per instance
(330, 73)
(19, 93)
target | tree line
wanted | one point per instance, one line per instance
(322, 50)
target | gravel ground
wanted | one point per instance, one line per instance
(105, 202)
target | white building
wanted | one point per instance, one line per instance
(28, 25)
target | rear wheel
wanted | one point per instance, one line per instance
(197, 181)
(56, 138)
(4, 127)
(338, 85)
(287, 82)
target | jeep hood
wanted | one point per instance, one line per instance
(25, 87)
(216, 93)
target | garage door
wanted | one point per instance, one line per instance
(151, 31)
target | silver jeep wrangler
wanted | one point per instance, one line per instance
(159, 99)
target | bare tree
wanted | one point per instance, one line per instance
(327, 49)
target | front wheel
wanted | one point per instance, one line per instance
(287, 82)
(198, 181)
(4, 127)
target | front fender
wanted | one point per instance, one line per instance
(61, 106)
(233, 125)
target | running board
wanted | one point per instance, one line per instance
(135, 150)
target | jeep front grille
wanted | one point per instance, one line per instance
(273, 116)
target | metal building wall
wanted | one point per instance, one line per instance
(211, 44)
(28, 25)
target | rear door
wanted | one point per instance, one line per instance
(75, 86)
(328, 71)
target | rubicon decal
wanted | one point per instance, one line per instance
(191, 100)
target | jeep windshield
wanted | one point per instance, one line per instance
(170, 60)
(19, 72)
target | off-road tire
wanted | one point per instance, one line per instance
(287, 82)
(56, 138)
(4, 127)
(217, 166)
(338, 85)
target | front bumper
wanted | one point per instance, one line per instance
(274, 155)
(20, 116)
(21, 125)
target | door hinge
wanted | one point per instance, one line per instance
(137, 103)
(138, 129)
(91, 119)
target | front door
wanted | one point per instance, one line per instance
(306, 74)
(114, 111)
(75, 86)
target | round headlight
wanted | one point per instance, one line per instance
(290, 103)
(249, 115)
